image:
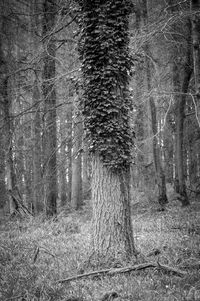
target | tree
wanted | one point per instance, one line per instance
(76, 200)
(6, 105)
(50, 167)
(159, 172)
(69, 152)
(63, 158)
(181, 81)
(195, 7)
(106, 65)
(36, 29)
(3, 194)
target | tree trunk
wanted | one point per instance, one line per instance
(112, 235)
(179, 149)
(10, 171)
(77, 162)
(3, 190)
(3, 128)
(63, 158)
(181, 78)
(180, 116)
(106, 66)
(37, 152)
(195, 7)
(50, 167)
(38, 187)
(69, 153)
(86, 170)
(160, 176)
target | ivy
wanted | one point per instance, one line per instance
(106, 65)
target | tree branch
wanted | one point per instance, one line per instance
(137, 267)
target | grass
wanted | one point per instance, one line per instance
(35, 253)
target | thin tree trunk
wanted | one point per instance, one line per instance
(86, 172)
(77, 162)
(3, 190)
(180, 116)
(69, 153)
(50, 167)
(38, 185)
(37, 152)
(3, 130)
(160, 176)
(179, 147)
(63, 155)
(10, 171)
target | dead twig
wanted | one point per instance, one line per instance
(126, 270)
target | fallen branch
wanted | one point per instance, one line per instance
(188, 265)
(126, 270)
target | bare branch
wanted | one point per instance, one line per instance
(125, 270)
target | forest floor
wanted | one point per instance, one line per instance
(36, 253)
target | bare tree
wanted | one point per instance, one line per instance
(50, 167)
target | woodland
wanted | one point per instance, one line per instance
(99, 150)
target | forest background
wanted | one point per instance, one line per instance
(66, 159)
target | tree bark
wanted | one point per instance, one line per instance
(37, 151)
(195, 7)
(38, 187)
(181, 78)
(69, 153)
(11, 175)
(179, 144)
(50, 167)
(3, 190)
(3, 128)
(160, 176)
(112, 235)
(63, 158)
(180, 116)
(105, 65)
(86, 171)
(8, 127)
(77, 161)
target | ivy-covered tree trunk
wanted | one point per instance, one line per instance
(50, 172)
(106, 104)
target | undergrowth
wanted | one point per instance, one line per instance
(36, 253)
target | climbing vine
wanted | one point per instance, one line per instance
(106, 65)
